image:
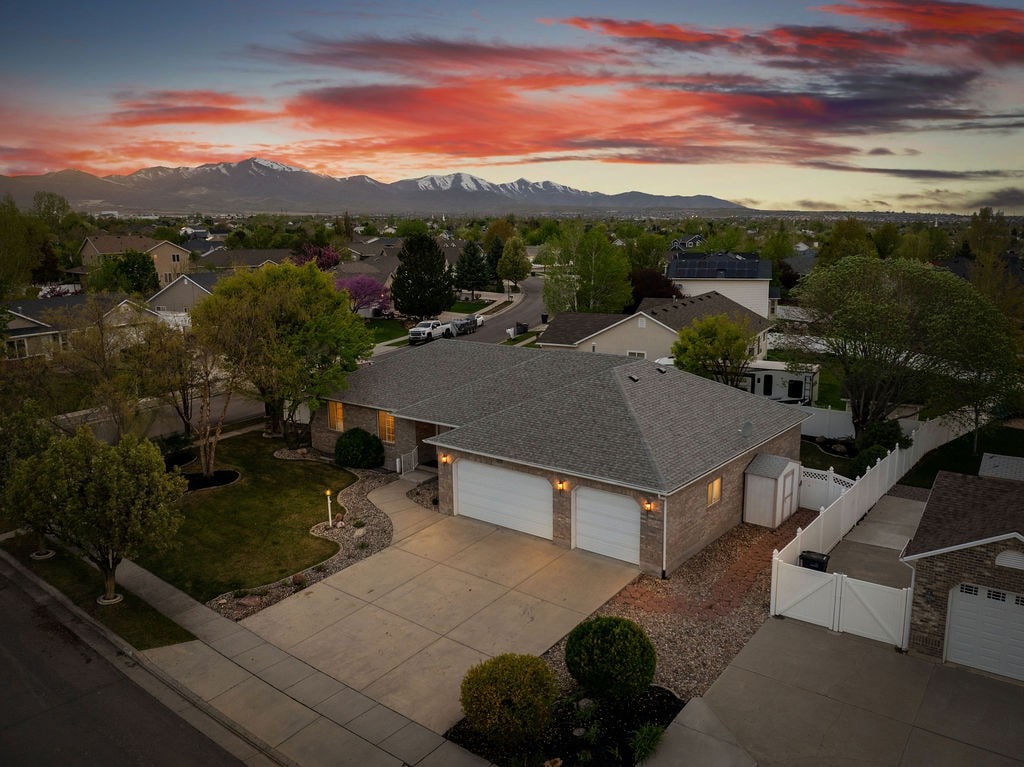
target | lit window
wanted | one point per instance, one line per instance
(637, 355)
(714, 491)
(335, 416)
(386, 427)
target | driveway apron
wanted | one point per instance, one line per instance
(403, 626)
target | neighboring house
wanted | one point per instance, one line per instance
(968, 560)
(747, 281)
(174, 303)
(39, 327)
(650, 332)
(244, 258)
(687, 243)
(617, 456)
(1001, 466)
(170, 260)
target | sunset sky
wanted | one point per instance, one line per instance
(775, 104)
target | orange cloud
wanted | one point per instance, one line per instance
(956, 18)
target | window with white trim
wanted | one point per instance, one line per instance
(714, 491)
(386, 427)
(641, 322)
(636, 355)
(335, 416)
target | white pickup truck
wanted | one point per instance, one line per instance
(428, 330)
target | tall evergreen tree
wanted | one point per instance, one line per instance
(423, 284)
(471, 269)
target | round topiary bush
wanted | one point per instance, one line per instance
(610, 656)
(358, 449)
(509, 699)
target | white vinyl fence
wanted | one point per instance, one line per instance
(826, 422)
(834, 600)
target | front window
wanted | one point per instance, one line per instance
(714, 491)
(335, 416)
(386, 427)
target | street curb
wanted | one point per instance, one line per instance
(115, 650)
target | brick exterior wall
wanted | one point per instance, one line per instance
(940, 574)
(691, 525)
(323, 438)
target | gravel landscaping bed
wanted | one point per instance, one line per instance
(361, 530)
(700, 617)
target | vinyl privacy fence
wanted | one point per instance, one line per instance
(834, 600)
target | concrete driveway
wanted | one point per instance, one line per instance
(404, 626)
(871, 550)
(798, 694)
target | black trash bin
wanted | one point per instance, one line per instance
(814, 560)
(543, 319)
(521, 327)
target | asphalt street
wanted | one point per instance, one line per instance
(63, 704)
(527, 310)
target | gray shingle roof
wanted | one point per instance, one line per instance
(569, 328)
(771, 466)
(679, 313)
(225, 259)
(965, 510)
(1001, 466)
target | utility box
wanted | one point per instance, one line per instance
(814, 560)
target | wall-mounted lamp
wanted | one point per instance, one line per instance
(560, 485)
(929, 597)
(446, 458)
(648, 505)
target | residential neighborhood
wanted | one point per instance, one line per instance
(345, 519)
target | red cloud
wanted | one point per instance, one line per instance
(200, 106)
(956, 18)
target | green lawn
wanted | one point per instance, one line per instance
(497, 307)
(385, 330)
(255, 531)
(959, 456)
(468, 307)
(132, 619)
(521, 338)
(813, 457)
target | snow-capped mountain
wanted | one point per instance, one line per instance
(259, 185)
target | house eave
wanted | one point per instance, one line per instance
(962, 546)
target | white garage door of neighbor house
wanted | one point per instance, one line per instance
(503, 497)
(607, 523)
(986, 630)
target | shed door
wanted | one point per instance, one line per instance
(986, 630)
(503, 497)
(607, 523)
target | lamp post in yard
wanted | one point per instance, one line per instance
(330, 521)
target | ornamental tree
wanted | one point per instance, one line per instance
(364, 292)
(111, 502)
(717, 347)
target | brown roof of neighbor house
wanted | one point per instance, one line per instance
(112, 243)
(679, 313)
(569, 328)
(964, 511)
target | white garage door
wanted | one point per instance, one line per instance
(608, 523)
(503, 497)
(986, 630)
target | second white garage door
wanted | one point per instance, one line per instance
(607, 523)
(503, 497)
(986, 629)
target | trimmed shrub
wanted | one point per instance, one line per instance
(610, 656)
(887, 433)
(509, 699)
(358, 449)
(865, 460)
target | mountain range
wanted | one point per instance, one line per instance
(264, 186)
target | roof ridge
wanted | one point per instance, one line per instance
(633, 378)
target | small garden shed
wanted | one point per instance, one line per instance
(770, 492)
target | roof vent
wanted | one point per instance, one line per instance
(660, 369)
(633, 378)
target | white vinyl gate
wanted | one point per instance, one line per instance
(503, 497)
(986, 629)
(607, 523)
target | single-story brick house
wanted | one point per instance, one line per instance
(968, 560)
(622, 457)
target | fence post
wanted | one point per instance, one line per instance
(775, 582)
(837, 604)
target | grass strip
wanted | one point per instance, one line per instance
(134, 620)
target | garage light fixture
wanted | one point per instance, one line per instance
(648, 505)
(446, 458)
(560, 485)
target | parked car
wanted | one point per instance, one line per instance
(428, 330)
